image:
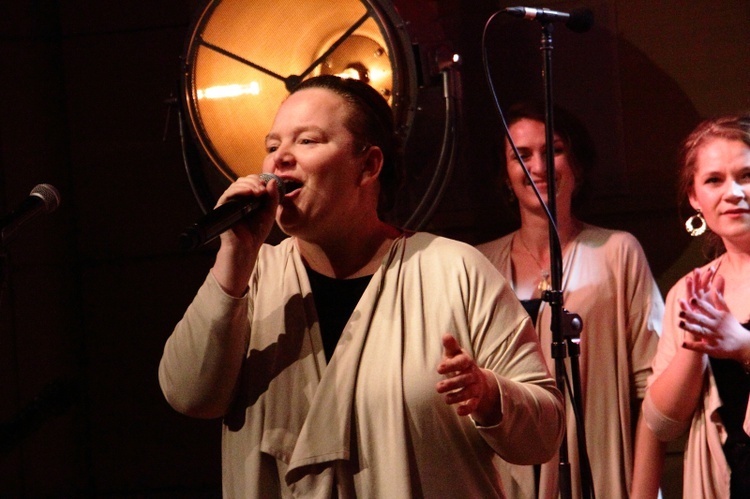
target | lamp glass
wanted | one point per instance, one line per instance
(241, 52)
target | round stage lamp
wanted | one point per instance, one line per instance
(243, 57)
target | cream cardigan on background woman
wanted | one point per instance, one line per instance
(608, 282)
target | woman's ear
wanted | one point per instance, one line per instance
(372, 164)
(693, 201)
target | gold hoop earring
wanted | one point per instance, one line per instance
(696, 225)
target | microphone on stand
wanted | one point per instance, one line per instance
(225, 216)
(578, 20)
(44, 198)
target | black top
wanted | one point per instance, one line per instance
(532, 308)
(734, 388)
(335, 300)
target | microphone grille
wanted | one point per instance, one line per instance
(49, 196)
(267, 177)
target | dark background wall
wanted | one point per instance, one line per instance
(91, 292)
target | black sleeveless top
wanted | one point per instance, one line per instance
(335, 300)
(532, 308)
(734, 388)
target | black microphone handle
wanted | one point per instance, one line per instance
(44, 198)
(225, 216)
(217, 221)
(28, 209)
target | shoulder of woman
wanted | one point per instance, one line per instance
(444, 251)
(613, 239)
(431, 244)
(495, 245)
(677, 290)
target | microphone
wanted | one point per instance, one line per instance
(44, 198)
(579, 20)
(225, 216)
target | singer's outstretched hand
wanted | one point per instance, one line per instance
(471, 389)
(240, 244)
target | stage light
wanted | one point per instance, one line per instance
(242, 58)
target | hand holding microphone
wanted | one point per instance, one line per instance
(227, 214)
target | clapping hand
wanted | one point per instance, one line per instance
(704, 314)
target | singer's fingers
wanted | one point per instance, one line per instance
(454, 359)
(451, 346)
(274, 186)
(244, 186)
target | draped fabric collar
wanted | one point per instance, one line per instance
(325, 434)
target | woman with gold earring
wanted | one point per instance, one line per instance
(701, 379)
(606, 280)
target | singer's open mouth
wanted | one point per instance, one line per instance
(291, 186)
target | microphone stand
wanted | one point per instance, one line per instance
(565, 326)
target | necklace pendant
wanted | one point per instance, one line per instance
(544, 284)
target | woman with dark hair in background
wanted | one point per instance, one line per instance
(700, 381)
(606, 280)
(353, 359)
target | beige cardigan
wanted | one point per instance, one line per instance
(706, 471)
(371, 417)
(607, 281)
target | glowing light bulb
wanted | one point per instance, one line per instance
(228, 91)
